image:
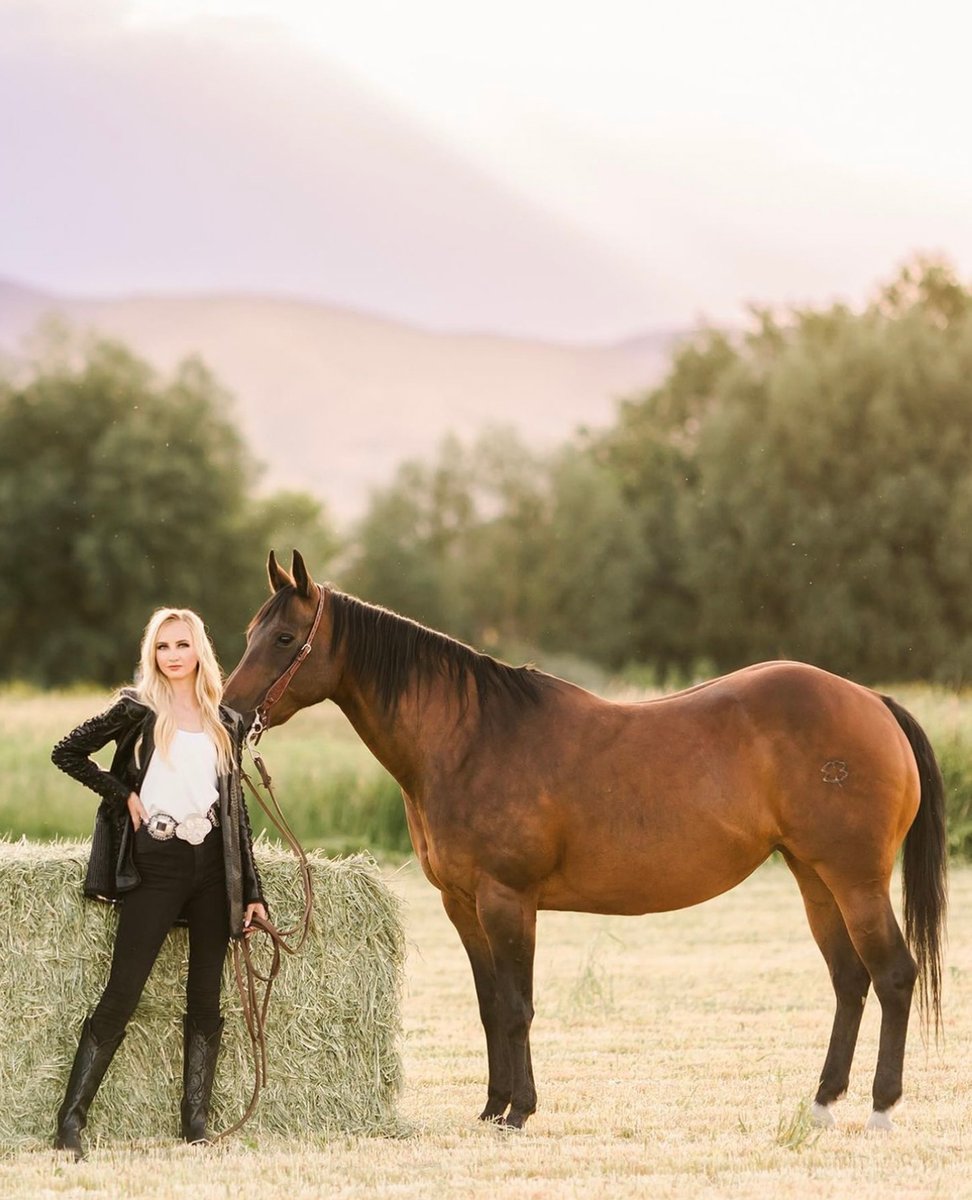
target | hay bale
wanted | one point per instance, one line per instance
(333, 1030)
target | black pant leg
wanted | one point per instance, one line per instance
(147, 914)
(208, 917)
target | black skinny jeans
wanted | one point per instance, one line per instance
(176, 879)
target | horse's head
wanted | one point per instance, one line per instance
(274, 640)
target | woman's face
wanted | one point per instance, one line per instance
(175, 654)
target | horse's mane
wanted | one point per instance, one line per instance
(389, 651)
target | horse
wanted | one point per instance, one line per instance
(524, 792)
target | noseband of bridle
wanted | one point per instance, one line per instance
(277, 689)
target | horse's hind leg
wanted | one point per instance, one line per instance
(878, 940)
(850, 980)
(500, 1086)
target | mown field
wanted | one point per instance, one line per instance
(675, 1054)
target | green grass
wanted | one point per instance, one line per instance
(946, 717)
(334, 793)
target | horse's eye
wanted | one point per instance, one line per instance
(285, 639)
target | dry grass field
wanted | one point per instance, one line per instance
(672, 1055)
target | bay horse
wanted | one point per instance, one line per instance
(524, 792)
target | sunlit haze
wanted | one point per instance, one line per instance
(681, 160)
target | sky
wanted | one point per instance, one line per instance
(559, 169)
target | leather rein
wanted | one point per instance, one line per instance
(249, 977)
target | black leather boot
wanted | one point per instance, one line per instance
(200, 1051)
(90, 1063)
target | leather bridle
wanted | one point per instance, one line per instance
(280, 685)
(248, 974)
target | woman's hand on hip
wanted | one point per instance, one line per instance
(253, 910)
(136, 810)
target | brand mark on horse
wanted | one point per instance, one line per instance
(834, 771)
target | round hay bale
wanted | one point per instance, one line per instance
(333, 1029)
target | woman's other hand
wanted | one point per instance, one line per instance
(253, 910)
(136, 810)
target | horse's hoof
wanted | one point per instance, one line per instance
(881, 1121)
(821, 1116)
(515, 1121)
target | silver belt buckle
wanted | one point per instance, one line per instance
(161, 826)
(194, 829)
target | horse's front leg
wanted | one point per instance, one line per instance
(500, 1087)
(509, 919)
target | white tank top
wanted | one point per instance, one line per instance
(185, 782)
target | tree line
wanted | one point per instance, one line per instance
(801, 488)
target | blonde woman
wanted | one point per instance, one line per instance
(172, 843)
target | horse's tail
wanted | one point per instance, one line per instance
(925, 869)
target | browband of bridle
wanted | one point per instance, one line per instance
(277, 689)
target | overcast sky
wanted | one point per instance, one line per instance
(568, 170)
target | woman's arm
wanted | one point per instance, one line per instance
(252, 884)
(72, 753)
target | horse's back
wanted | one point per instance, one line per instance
(808, 743)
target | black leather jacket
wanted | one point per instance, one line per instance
(111, 867)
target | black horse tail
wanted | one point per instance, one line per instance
(925, 869)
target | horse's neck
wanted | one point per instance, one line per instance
(403, 740)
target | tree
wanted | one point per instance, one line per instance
(817, 478)
(120, 492)
(287, 520)
(652, 454)
(802, 489)
(408, 550)
(509, 550)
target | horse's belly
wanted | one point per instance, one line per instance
(648, 883)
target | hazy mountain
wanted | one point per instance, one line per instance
(212, 167)
(20, 307)
(332, 400)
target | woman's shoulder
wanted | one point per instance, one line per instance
(128, 698)
(231, 719)
(127, 706)
(123, 714)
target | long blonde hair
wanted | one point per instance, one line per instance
(155, 691)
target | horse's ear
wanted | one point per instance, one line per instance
(302, 580)
(276, 574)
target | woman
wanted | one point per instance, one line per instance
(172, 842)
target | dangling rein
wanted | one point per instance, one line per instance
(248, 975)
